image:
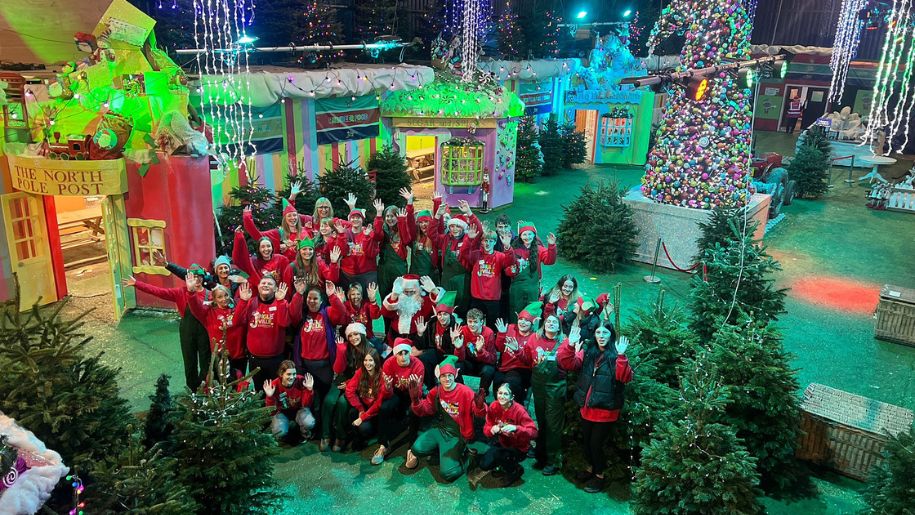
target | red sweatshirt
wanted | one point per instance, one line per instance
(485, 269)
(403, 230)
(257, 267)
(290, 400)
(535, 342)
(362, 252)
(313, 332)
(486, 355)
(214, 317)
(515, 415)
(397, 377)
(444, 242)
(547, 256)
(176, 295)
(326, 272)
(369, 405)
(570, 360)
(247, 220)
(364, 314)
(458, 403)
(267, 324)
(512, 360)
(324, 249)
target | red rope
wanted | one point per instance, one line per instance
(677, 268)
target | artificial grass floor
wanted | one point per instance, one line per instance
(836, 254)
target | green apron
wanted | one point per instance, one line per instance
(525, 289)
(549, 387)
(421, 262)
(445, 435)
(390, 267)
(455, 278)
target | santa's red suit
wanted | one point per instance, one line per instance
(403, 311)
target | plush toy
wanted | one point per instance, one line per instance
(29, 471)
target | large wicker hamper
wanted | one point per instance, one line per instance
(847, 432)
(896, 315)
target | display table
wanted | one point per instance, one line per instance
(875, 162)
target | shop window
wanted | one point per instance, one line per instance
(147, 236)
(26, 224)
(462, 163)
(616, 128)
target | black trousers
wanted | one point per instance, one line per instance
(395, 413)
(518, 379)
(491, 308)
(497, 456)
(430, 358)
(268, 368)
(484, 371)
(195, 350)
(594, 436)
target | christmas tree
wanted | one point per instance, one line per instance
(701, 158)
(552, 146)
(696, 464)
(529, 161)
(376, 18)
(738, 281)
(223, 445)
(158, 425)
(596, 229)
(140, 481)
(391, 175)
(764, 407)
(69, 400)
(810, 170)
(891, 485)
(346, 178)
(510, 35)
(718, 229)
(317, 24)
(574, 147)
(661, 336)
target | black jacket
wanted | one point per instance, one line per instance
(598, 374)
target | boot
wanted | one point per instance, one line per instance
(512, 475)
(475, 475)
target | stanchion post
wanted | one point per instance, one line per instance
(654, 265)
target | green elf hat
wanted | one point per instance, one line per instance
(197, 270)
(447, 366)
(535, 309)
(307, 242)
(526, 226)
(288, 208)
(446, 302)
(587, 303)
(425, 214)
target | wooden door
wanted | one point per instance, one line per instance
(30, 254)
(118, 246)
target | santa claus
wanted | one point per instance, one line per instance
(413, 297)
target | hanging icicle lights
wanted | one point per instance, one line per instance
(472, 28)
(894, 92)
(845, 46)
(225, 82)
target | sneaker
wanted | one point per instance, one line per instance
(583, 475)
(512, 476)
(322, 445)
(550, 470)
(474, 477)
(378, 457)
(412, 460)
(595, 485)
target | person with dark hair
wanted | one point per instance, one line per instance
(283, 237)
(267, 318)
(424, 256)
(361, 308)
(365, 392)
(486, 270)
(361, 262)
(455, 276)
(503, 230)
(510, 427)
(548, 384)
(530, 255)
(603, 371)
(308, 265)
(395, 240)
(290, 394)
(223, 319)
(350, 354)
(399, 372)
(433, 340)
(511, 342)
(265, 260)
(475, 348)
(564, 301)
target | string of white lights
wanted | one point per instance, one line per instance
(848, 35)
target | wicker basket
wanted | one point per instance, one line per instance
(847, 432)
(896, 315)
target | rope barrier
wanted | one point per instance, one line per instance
(677, 268)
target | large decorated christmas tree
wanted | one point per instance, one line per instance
(701, 158)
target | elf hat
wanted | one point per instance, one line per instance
(446, 302)
(355, 327)
(222, 260)
(447, 366)
(288, 208)
(357, 212)
(534, 309)
(197, 270)
(424, 215)
(402, 344)
(306, 242)
(526, 315)
(526, 226)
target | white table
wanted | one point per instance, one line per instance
(876, 162)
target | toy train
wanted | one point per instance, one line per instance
(75, 148)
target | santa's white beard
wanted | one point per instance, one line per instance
(406, 308)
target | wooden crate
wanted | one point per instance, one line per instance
(896, 315)
(847, 432)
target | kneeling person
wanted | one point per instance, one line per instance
(508, 421)
(291, 394)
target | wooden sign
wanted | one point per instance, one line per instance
(43, 176)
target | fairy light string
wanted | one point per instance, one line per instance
(845, 46)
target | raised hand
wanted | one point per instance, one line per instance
(379, 207)
(248, 209)
(339, 227)
(330, 288)
(472, 232)
(402, 212)
(350, 201)
(309, 381)
(269, 389)
(480, 343)
(244, 291)
(335, 254)
(420, 325)
(501, 326)
(511, 344)
(441, 210)
(130, 282)
(622, 344)
(299, 284)
(457, 336)
(506, 239)
(554, 297)
(407, 195)
(190, 282)
(159, 258)
(436, 195)
(295, 188)
(281, 291)
(341, 294)
(372, 292)
(340, 340)
(464, 207)
(427, 284)
(551, 239)
(574, 335)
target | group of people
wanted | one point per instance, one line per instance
(457, 298)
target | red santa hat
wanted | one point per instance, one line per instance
(402, 344)
(405, 280)
(357, 212)
(459, 221)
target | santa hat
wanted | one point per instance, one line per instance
(446, 302)
(288, 208)
(402, 344)
(527, 226)
(222, 260)
(405, 280)
(586, 303)
(355, 327)
(603, 299)
(425, 214)
(305, 242)
(357, 212)
(459, 221)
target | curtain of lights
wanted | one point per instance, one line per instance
(848, 35)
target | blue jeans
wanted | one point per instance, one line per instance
(279, 426)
